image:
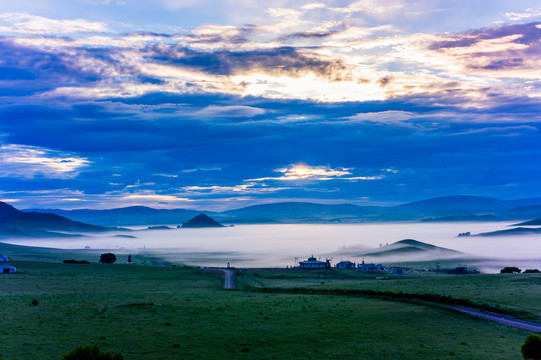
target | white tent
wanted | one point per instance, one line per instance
(4, 258)
(7, 269)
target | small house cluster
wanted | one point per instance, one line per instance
(313, 263)
(5, 268)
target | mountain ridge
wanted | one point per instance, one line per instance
(447, 208)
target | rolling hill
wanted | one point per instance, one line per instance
(409, 247)
(15, 223)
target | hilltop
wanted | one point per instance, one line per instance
(201, 221)
(410, 248)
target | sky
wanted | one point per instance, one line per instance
(216, 105)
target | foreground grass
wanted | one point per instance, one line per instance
(149, 312)
(514, 292)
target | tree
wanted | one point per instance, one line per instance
(107, 258)
(92, 352)
(129, 259)
(531, 349)
(510, 270)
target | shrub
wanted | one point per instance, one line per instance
(510, 270)
(35, 302)
(76, 261)
(107, 258)
(531, 271)
(531, 349)
(92, 352)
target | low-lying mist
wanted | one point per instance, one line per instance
(280, 245)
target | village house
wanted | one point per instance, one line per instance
(371, 268)
(397, 270)
(313, 263)
(4, 258)
(7, 269)
(345, 265)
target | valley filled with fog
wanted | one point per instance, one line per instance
(279, 245)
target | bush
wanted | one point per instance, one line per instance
(76, 262)
(531, 271)
(107, 258)
(531, 349)
(510, 270)
(92, 352)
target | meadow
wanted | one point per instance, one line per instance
(151, 312)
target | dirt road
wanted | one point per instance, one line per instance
(502, 319)
(229, 277)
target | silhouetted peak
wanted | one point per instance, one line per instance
(202, 220)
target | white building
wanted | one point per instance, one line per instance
(7, 269)
(313, 263)
(345, 265)
(371, 268)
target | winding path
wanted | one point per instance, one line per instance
(502, 319)
(229, 277)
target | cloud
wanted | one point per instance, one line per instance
(504, 51)
(33, 24)
(319, 173)
(251, 188)
(153, 197)
(331, 62)
(526, 15)
(231, 111)
(389, 116)
(499, 131)
(25, 161)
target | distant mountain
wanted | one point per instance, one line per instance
(410, 247)
(133, 215)
(452, 206)
(449, 208)
(291, 212)
(14, 222)
(201, 221)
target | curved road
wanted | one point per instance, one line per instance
(229, 277)
(229, 283)
(502, 319)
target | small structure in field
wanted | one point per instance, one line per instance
(4, 258)
(7, 269)
(371, 268)
(345, 265)
(313, 263)
(397, 270)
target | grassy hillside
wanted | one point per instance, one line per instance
(148, 312)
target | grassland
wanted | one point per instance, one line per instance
(150, 312)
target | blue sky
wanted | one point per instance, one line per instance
(223, 104)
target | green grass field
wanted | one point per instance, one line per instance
(150, 312)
